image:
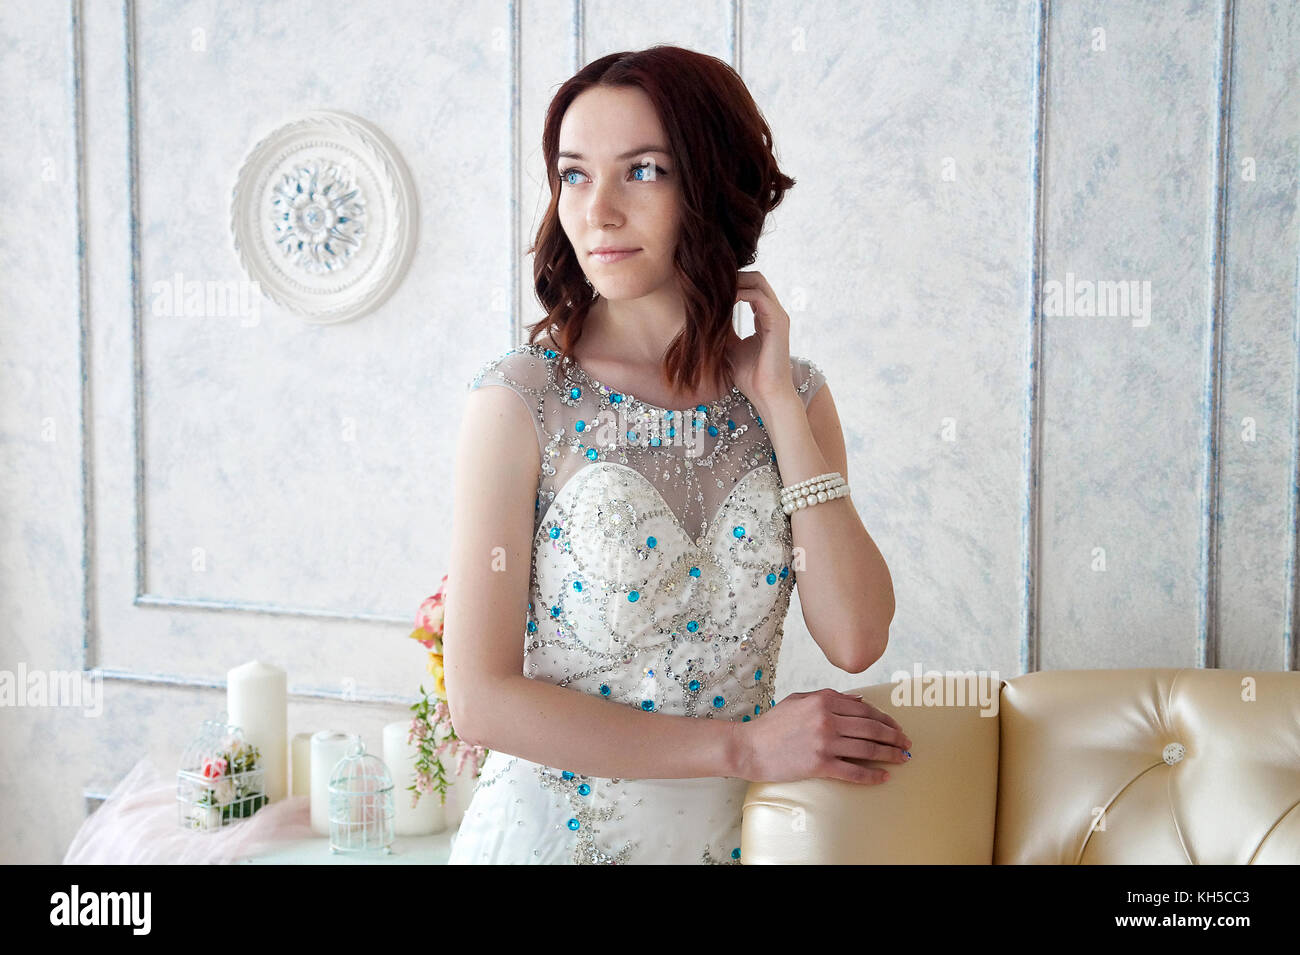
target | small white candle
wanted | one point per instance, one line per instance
(327, 748)
(257, 701)
(400, 756)
(300, 768)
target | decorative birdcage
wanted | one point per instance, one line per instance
(361, 804)
(220, 780)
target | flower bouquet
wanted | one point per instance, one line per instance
(431, 724)
(220, 779)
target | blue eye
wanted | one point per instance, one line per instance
(639, 170)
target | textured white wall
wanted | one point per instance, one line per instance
(1050, 491)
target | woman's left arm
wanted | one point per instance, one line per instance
(845, 588)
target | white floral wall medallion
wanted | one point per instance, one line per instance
(323, 216)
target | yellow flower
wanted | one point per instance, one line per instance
(439, 682)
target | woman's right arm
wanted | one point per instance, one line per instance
(491, 701)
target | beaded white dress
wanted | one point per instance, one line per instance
(661, 576)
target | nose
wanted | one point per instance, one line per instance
(603, 208)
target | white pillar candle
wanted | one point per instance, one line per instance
(257, 701)
(400, 756)
(327, 748)
(300, 765)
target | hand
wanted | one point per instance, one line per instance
(815, 735)
(762, 361)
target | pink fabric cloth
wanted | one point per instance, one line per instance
(139, 825)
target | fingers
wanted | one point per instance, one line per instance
(857, 706)
(853, 733)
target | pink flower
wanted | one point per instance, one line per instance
(214, 767)
(430, 616)
(460, 760)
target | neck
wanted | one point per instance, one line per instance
(637, 330)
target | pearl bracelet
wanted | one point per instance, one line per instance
(815, 490)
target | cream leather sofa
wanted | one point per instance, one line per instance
(1137, 766)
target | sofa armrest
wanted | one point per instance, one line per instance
(939, 807)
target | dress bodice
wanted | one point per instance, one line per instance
(661, 556)
(661, 576)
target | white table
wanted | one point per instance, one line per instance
(407, 850)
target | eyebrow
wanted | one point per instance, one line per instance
(627, 155)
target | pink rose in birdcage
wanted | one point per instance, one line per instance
(214, 767)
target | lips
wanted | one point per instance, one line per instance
(613, 255)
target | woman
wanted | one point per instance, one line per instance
(626, 517)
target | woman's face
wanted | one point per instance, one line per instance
(618, 188)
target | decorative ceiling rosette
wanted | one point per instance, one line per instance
(323, 216)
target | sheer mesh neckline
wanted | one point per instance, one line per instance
(605, 390)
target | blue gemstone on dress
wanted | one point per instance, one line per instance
(692, 626)
(574, 824)
(758, 674)
(555, 532)
(744, 719)
(773, 457)
(731, 425)
(647, 704)
(631, 435)
(771, 578)
(654, 442)
(633, 597)
(577, 585)
(551, 353)
(668, 414)
(584, 790)
(575, 392)
(672, 432)
(771, 702)
(694, 685)
(604, 689)
(784, 572)
(579, 425)
(701, 408)
(567, 774)
(757, 709)
(615, 397)
(532, 627)
(555, 611)
(735, 853)
(719, 702)
(592, 454)
(695, 571)
(713, 431)
(738, 531)
(650, 542)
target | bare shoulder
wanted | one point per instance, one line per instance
(498, 435)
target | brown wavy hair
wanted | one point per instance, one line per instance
(722, 148)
